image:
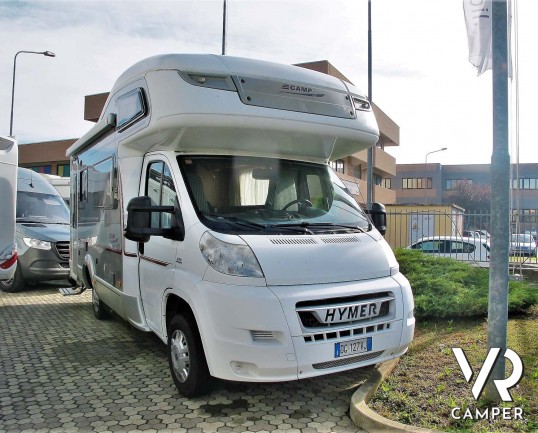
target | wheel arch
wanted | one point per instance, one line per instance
(175, 304)
(88, 272)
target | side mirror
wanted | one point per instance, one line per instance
(379, 217)
(178, 226)
(138, 219)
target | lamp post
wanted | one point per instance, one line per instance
(44, 53)
(426, 167)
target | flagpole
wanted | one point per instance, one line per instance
(500, 193)
(224, 29)
(370, 154)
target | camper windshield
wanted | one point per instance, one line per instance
(261, 194)
(42, 208)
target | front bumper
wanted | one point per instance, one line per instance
(255, 333)
(43, 265)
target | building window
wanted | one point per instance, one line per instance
(63, 170)
(387, 183)
(45, 169)
(525, 215)
(417, 183)
(525, 183)
(378, 180)
(337, 165)
(451, 183)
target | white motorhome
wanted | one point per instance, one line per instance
(8, 198)
(61, 184)
(203, 209)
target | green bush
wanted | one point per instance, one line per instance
(448, 288)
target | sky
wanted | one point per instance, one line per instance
(422, 78)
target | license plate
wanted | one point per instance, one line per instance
(352, 347)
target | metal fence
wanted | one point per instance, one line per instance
(455, 234)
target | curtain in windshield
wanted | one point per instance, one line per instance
(269, 192)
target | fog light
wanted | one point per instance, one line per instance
(243, 368)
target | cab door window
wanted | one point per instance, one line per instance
(161, 190)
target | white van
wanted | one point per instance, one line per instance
(42, 233)
(203, 209)
(8, 198)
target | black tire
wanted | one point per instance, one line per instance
(15, 284)
(99, 308)
(186, 357)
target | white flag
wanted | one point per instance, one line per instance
(478, 22)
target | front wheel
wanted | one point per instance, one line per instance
(14, 284)
(186, 357)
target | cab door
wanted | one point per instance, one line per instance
(157, 256)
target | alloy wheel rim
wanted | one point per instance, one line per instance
(180, 356)
(7, 283)
(95, 300)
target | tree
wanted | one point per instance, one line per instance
(470, 196)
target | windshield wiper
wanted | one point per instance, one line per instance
(40, 220)
(301, 227)
(306, 225)
(238, 221)
(29, 220)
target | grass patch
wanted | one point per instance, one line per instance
(445, 288)
(428, 383)
(451, 300)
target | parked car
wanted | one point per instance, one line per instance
(42, 233)
(534, 236)
(466, 249)
(481, 234)
(522, 245)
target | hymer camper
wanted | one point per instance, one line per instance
(203, 209)
(8, 198)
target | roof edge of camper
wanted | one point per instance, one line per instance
(101, 128)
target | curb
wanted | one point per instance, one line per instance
(365, 418)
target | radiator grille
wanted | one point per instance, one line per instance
(346, 361)
(63, 249)
(345, 333)
(308, 311)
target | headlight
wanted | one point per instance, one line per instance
(36, 243)
(230, 259)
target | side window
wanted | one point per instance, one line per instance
(168, 196)
(131, 107)
(103, 183)
(429, 246)
(83, 187)
(160, 188)
(461, 247)
(468, 248)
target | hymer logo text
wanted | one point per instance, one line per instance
(502, 385)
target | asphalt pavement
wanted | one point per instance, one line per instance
(61, 370)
